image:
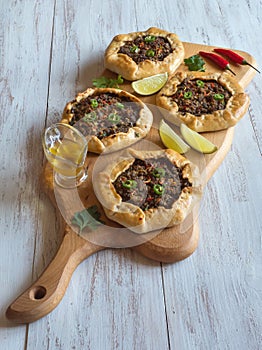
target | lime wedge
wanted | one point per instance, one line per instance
(150, 85)
(197, 141)
(170, 139)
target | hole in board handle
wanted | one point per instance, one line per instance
(37, 293)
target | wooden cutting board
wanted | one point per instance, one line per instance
(170, 245)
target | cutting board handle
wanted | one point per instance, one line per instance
(46, 293)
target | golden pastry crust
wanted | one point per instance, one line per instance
(123, 64)
(235, 108)
(118, 140)
(132, 216)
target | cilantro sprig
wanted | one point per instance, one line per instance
(89, 217)
(195, 63)
(104, 82)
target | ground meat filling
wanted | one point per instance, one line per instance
(149, 47)
(151, 183)
(104, 115)
(200, 97)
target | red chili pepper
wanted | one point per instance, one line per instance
(220, 61)
(234, 57)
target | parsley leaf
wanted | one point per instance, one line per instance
(195, 63)
(104, 82)
(89, 217)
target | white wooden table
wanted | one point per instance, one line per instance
(117, 299)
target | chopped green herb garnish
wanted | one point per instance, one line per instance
(188, 94)
(134, 49)
(195, 63)
(114, 118)
(94, 103)
(89, 217)
(158, 172)
(150, 53)
(159, 189)
(90, 117)
(120, 105)
(219, 97)
(150, 38)
(104, 82)
(200, 83)
(146, 207)
(129, 184)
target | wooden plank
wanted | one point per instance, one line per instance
(214, 297)
(190, 324)
(117, 282)
(222, 280)
(170, 245)
(108, 306)
(23, 87)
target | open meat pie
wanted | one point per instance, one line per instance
(110, 118)
(203, 101)
(148, 190)
(141, 54)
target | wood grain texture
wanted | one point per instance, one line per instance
(170, 245)
(212, 299)
(23, 85)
